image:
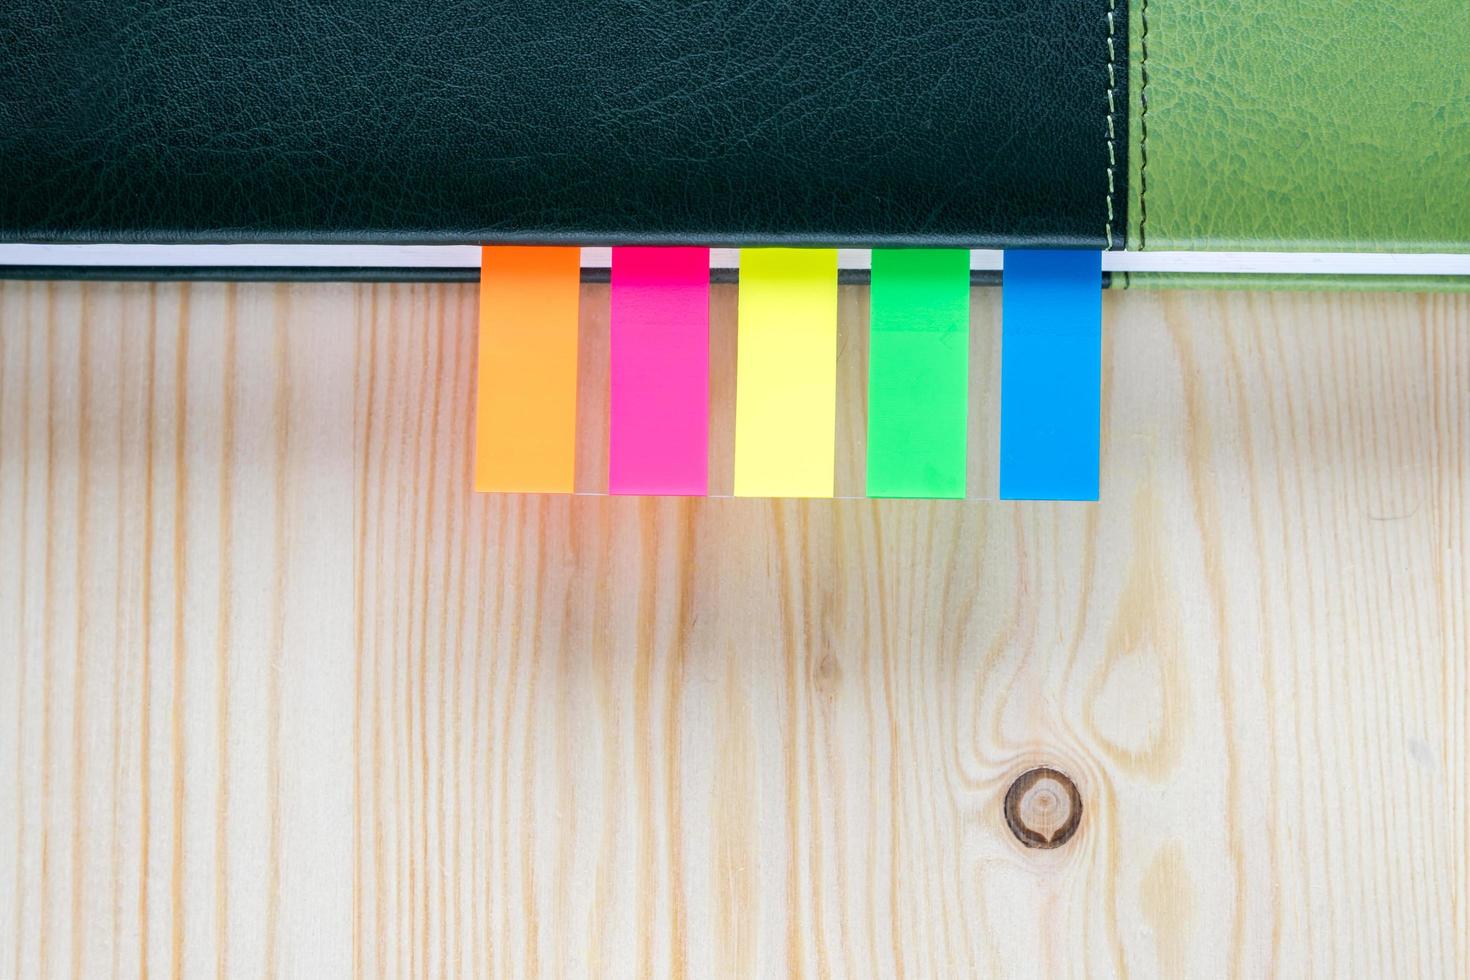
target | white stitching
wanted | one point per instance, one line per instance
(1112, 112)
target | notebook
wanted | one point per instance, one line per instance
(307, 132)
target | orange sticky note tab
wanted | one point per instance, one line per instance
(526, 391)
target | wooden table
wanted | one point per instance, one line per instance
(279, 694)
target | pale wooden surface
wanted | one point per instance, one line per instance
(279, 695)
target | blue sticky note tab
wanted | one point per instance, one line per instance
(1050, 375)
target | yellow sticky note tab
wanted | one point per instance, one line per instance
(786, 373)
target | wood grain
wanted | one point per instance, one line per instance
(279, 695)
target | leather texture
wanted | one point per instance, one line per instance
(1316, 125)
(981, 123)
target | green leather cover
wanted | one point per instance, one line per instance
(1315, 125)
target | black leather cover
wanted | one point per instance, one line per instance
(742, 122)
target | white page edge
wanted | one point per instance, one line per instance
(468, 257)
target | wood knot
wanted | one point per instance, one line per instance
(828, 674)
(1043, 808)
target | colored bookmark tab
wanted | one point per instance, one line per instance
(918, 372)
(526, 392)
(659, 409)
(786, 373)
(1050, 375)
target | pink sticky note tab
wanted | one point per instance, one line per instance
(659, 418)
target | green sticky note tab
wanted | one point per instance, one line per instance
(918, 372)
